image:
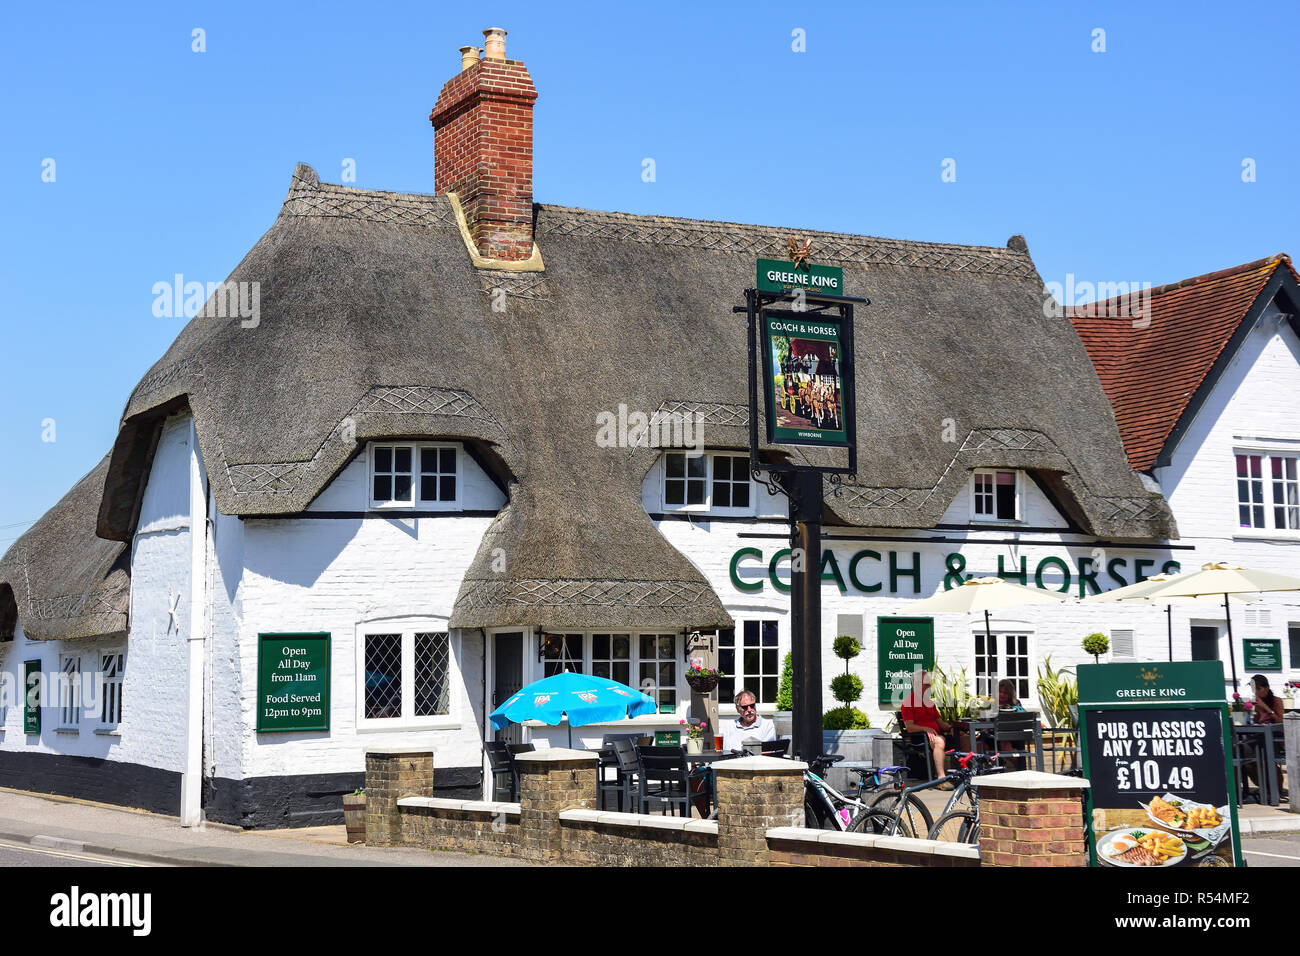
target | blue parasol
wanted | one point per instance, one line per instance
(580, 697)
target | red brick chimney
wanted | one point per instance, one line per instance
(483, 148)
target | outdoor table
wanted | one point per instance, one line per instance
(978, 725)
(1261, 737)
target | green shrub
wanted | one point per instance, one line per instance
(846, 687)
(785, 690)
(951, 696)
(845, 718)
(847, 647)
(1096, 645)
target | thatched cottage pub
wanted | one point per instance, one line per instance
(393, 481)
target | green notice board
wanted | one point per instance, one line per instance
(668, 738)
(1157, 753)
(1262, 655)
(293, 682)
(904, 645)
(31, 697)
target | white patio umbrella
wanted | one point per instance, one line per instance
(986, 594)
(1141, 593)
(1219, 578)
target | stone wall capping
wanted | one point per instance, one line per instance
(961, 851)
(407, 751)
(501, 807)
(438, 803)
(905, 844)
(701, 826)
(555, 755)
(1029, 780)
(791, 833)
(759, 765)
(580, 816)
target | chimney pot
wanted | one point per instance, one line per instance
(495, 43)
(468, 57)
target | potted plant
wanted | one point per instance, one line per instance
(983, 706)
(847, 689)
(694, 735)
(784, 716)
(1096, 645)
(1238, 709)
(703, 680)
(354, 815)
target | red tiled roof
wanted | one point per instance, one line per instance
(1150, 370)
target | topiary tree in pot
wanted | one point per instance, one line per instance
(1096, 645)
(846, 688)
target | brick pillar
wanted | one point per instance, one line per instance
(391, 773)
(550, 781)
(755, 794)
(1029, 818)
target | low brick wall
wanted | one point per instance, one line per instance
(1031, 819)
(797, 846)
(463, 826)
(592, 838)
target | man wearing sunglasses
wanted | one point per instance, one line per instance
(748, 726)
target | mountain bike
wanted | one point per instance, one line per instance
(825, 808)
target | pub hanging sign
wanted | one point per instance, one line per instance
(804, 361)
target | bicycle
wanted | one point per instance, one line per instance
(958, 820)
(825, 808)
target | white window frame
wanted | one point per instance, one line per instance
(414, 503)
(1266, 454)
(707, 506)
(69, 694)
(1001, 630)
(585, 660)
(745, 680)
(408, 628)
(975, 517)
(120, 682)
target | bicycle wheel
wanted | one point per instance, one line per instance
(914, 819)
(956, 826)
(877, 822)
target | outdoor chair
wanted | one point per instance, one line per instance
(628, 766)
(776, 748)
(665, 781)
(1017, 729)
(1246, 753)
(916, 754)
(505, 775)
(1061, 745)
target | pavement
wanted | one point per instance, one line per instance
(38, 822)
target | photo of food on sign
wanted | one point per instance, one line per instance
(1159, 789)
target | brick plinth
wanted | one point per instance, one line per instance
(390, 775)
(1031, 819)
(550, 781)
(755, 794)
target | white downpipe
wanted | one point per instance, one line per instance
(192, 776)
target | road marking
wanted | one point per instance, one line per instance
(1276, 856)
(28, 848)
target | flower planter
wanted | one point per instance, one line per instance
(354, 816)
(695, 745)
(702, 684)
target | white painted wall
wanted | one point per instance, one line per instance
(153, 692)
(1255, 404)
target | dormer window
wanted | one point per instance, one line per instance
(707, 482)
(995, 496)
(414, 475)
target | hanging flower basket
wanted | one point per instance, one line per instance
(702, 679)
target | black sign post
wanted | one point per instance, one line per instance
(806, 339)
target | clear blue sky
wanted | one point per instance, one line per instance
(1117, 166)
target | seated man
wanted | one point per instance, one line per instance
(748, 726)
(920, 716)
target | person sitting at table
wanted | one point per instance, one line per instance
(920, 716)
(748, 725)
(1268, 708)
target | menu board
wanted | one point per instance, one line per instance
(293, 682)
(904, 645)
(1156, 754)
(31, 697)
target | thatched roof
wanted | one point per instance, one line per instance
(374, 323)
(59, 579)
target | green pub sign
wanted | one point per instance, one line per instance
(1262, 655)
(668, 738)
(31, 697)
(780, 275)
(904, 646)
(293, 682)
(803, 379)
